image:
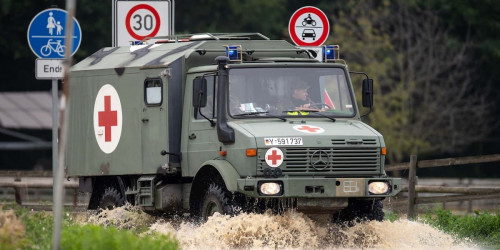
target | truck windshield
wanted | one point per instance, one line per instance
(289, 92)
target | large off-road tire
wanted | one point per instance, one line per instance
(218, 199)
(359, 211)
(111, 198)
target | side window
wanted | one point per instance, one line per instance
(152, 91)
(209, 109)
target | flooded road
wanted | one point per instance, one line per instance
(291, 230)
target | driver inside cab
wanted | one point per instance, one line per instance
(299, 99)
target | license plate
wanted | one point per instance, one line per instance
(283, 141)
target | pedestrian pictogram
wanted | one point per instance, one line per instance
(107, 118)
(309, 129)
(137, 20)
(46, 34)
(274, 157)
(308, 26)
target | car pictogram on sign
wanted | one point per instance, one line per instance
(309, 33)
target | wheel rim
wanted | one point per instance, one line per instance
(212, 208)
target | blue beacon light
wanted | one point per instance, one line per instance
(233, 52)
(330, 53)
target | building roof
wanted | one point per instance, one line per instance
(26, 110)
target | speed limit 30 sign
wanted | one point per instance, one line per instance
(136, 20)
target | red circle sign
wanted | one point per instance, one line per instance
(308, 26)
(129, 16)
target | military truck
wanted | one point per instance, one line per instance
(212, 123)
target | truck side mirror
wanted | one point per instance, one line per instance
(199, 92)
(367, 91)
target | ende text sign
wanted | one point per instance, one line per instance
(49, 69)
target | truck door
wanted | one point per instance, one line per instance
(203, 143)
(154, 124)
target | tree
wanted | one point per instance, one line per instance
(426, 96)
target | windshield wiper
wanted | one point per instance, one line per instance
(309, 111)
(262, 112)
(317, 112)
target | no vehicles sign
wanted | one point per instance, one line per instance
(136, 20)
(308, 26)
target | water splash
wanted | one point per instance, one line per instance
(124, 217)
(292, 230)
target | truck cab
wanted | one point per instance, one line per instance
(210, 127)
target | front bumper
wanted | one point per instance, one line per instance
(319, 187)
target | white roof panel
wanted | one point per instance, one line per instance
(26, 110)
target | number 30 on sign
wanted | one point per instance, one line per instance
(137, 20)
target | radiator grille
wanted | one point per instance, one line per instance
(339, 161)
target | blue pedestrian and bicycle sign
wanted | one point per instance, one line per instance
(46, 34)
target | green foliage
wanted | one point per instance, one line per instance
(372, 38)
(11, 231)
(38, 234)
(391, 216)
(427, 97)
(38, 228)
(97, 237)
(481, 226)
(266, 17)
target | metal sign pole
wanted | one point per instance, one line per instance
(113, 23)
(172, 24)
(55, 136)
(59, 177)
(57, 190)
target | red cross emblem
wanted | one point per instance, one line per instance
(107, 118)
(274, 157)
(309, 129)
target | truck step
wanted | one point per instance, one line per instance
(145, 190)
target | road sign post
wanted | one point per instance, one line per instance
(47, 40)
(308, 26)
(136, 20)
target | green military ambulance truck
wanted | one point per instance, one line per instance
(224, 123)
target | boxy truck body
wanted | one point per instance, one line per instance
(135, 134)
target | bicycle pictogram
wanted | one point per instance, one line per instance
(50, 47)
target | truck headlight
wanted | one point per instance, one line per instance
(270, 188)
(378, 187)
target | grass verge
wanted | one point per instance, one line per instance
(97, 237)
(24, 229)
(482, 227)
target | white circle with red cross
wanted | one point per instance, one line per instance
(308, 26)
(274, 157)
(309, 129)
(107, 118)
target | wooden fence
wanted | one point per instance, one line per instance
(21, 181)
(457, 193)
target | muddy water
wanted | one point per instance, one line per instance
(291, 230)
